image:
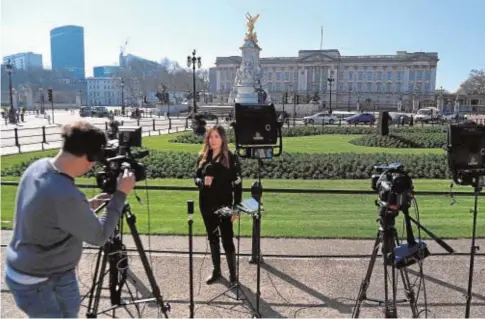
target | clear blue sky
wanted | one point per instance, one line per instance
(172, 28)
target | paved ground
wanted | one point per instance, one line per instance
(30, 132)
(290, 287)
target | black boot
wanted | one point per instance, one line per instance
(216, 261)
(231, 264)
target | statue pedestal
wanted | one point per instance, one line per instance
(249, 75)
(246, 95)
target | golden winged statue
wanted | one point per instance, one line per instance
(250, 24)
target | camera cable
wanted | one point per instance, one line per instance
(138, 198)
(422, 281)
(453, 200)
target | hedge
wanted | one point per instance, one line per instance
(161, 164)
(409, 140)
(190, 138)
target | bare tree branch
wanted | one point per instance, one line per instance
(475, 84)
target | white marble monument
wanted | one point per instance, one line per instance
(248, 77)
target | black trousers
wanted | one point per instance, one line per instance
(215, 225)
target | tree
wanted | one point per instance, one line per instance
(475, 84)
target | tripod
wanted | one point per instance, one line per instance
(109, 252)
(473, 249)
(388, 237)
(257, 192)
(397, 256)
(190, 221)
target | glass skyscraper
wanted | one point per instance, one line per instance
(67, 49)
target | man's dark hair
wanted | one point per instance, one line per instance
(82, 138)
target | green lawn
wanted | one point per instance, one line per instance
(295, 215)
(288, 215)
(307, 144)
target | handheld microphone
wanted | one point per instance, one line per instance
(209, 170)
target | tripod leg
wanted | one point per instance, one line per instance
(258, 256)
(95, 280)
(388, 256)
(238, 286)
(365, 283)
(474, 248)
(131, 220)
(102, 271)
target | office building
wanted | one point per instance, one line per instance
(24, 60)
(67, 49)
(105, 71)
(104, 91)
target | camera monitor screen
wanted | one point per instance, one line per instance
(129, 136)
(256, 124)
(467, 146)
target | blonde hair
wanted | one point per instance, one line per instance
(204, 153)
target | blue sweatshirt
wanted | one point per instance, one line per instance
(52, 219)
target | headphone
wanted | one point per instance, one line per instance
(95, 150)
(95, 153)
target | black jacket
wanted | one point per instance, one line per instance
(226, 188)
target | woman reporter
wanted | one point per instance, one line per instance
(218, 177)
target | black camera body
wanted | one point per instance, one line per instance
(392, 184)
(257, 131)
(118, 157)
(466, 152)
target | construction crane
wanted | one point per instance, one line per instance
(122, 53)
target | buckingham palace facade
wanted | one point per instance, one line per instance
(378, 80)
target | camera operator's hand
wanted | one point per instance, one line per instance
(96, 201)
(127, 182)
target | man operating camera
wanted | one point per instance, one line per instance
(52, 220)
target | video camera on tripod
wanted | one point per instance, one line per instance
(117, 157)
(395, 193)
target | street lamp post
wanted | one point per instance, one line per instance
(81, 97)
(123, 96)
(42, 101)
(12, 118)
(194, 62)
(348, 105)
(330, 82)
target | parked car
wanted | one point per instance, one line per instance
(395, 118)
(428, 115)
(454, 117)
(283, 117)
(85, 111)
(100, 111)
(320, 118)
(365, 118)
(205, 115)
